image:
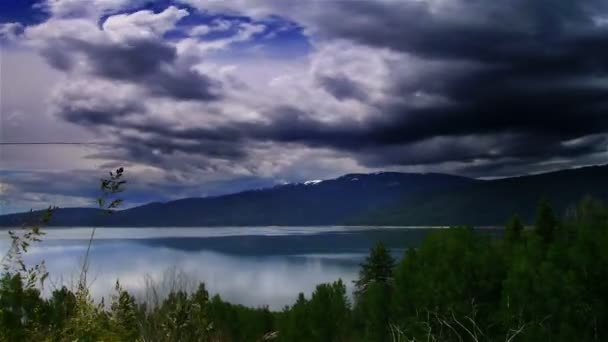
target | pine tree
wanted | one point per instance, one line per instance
(124, 315)
(546, 222)
(514, 229)
(377, 268)
(329, 312)
(373, 294)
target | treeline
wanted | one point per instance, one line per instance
(543, 283)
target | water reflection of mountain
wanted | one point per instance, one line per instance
(358, 242)
(273, 267)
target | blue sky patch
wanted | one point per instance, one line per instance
(26, 12)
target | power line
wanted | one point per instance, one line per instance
(51, 143)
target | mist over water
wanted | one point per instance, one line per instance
(250, 266)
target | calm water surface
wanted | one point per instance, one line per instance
(251, 266)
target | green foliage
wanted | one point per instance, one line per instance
(514, 229)
(325, 317)
(329, 312)
(108, 202)
(22, 311)
(21, 240)
(293, 322)
(62, 308)
(550, 286)
(239, 323)
(377, 268)
(454, 273)
(373, 292)
(90, 319)
(180, 317)
(123, 315)
(110, 187)
(545, 222)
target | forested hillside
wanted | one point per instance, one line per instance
(492, 202)
(360, 199)
(326, 202)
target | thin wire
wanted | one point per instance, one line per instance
(50, 143)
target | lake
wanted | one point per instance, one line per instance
(251, 266)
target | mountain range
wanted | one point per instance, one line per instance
(386, 198)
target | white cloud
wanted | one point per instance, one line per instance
(142, 24)
(217, 25)
(10, 31)
(200, 30)
(86, 8)
(46, 33)
(195, 47)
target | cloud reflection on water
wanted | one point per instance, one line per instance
(253, 266)
(253, 280)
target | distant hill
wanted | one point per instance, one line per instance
(386, 198)
(493, 202)
(311, 203)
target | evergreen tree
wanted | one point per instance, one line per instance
(62, 306)
(545, 222)
(124, 315)
(377, 268)
(199, 312)
(329, 313)
(514, 229)
(294, 325)
(11, 308)
(373, 293)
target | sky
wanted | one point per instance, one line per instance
(206, 97)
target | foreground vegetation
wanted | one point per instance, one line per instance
(547, 283)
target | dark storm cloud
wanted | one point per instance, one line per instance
(184, 84)
(150, 63)
(342, 87)
(132, 61)
(58, 58)
(375, 143)
(101, 114)
(510, 31)
(537, 60)
(538, 71)
(167, 144)
(515, 83)
(500, 149)
(82, 184)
